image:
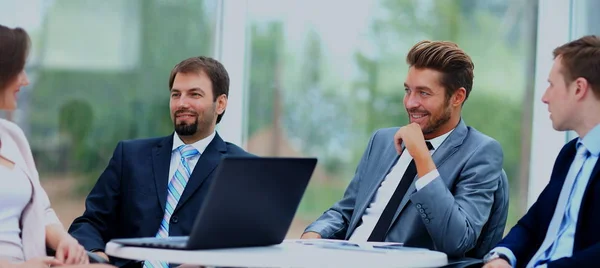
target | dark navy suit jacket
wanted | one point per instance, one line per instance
(129, 198)
(527, 236)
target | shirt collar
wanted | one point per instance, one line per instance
(591, 141)
(437, 141)
(199, 145)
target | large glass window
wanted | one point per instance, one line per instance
(99, 73)
(584, 21)
(323, 75)
(584, 18)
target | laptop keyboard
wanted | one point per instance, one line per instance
(169, 242)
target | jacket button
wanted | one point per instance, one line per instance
(427, 220)
(423, 215)
(421, 210)
(174, 219)
(419, 206)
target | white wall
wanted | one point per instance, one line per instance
(230, 50)
(554, 29)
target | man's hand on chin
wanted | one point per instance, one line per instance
(412, 137)
(414, 142)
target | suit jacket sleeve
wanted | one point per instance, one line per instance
(584, 258)
(455, 219)
(50, 216)
(524, 238)
(99, 221)
(40, 195)
(334, 222)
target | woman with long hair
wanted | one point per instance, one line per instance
(28, 225)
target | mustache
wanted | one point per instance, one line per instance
(178, 112)
(415, 110)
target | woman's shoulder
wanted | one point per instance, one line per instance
(12, 129)
(13, 139)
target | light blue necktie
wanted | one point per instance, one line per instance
(175, 189)
(561, 206)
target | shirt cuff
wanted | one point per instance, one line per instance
(506, 251)
(429, 177)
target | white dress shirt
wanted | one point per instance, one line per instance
(192, 161)
(388, 187)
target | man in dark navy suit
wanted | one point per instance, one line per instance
(561, 229)
(155, 187)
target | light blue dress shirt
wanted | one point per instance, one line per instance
(563, 244)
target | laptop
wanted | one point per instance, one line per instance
(251, 202)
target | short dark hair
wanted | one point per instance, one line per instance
(14, 47)
(581, 58)
(213, 69)
(445, 57)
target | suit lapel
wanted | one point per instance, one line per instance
(441, 154)
(588, 189)
(563, 166)
(12, 151)
(595, 172)
(209, 160)
(389, 158)
(161, 160)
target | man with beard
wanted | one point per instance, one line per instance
(434, 183)
(155, 187)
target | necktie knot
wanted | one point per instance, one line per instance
(187, 151)
(581, 150)
(429, 145)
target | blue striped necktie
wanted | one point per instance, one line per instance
(554, 228)
(175, 189)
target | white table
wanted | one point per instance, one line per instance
(290, 253)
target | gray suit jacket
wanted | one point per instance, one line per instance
(447, 214)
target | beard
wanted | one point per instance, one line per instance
(435, 122)
(202, 123)
(184, 129)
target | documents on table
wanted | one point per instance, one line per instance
(376, 247)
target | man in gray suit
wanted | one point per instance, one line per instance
(433, 183)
